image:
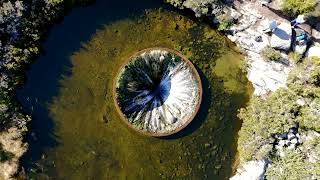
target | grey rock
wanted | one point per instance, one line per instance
(292, 146)
(291, 136)
(281, 143)
(314, 51)
(294, 141)
(301, 102)
(300, 49)
(281, 37)
(282, 136)
(234, 14)
(258, 39)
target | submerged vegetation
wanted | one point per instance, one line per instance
(95, 143)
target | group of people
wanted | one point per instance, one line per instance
(300, 19)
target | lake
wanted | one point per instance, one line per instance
(76, 133)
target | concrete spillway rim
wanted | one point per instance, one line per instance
(123, 116)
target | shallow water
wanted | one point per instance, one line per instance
(76, 126)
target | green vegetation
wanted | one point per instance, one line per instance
(264, 118)
(4, 155)
(295, 57)
(224, 25)
(225, 20)
(25, 24)
(199, 7)
(295, 7)
(271, 54)
(244, 66)
(93, 149)
(294, 166)
(175, 3)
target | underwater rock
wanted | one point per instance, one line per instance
(158, 92)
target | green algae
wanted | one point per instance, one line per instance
(93, 141)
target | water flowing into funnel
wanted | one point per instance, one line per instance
(158, 91)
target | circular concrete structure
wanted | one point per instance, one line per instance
(157, 92)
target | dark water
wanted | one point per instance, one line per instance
(76, 132)
(44, 74)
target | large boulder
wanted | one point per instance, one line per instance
(252, 170)
(300, 49)
(281, 37)
(316, 34)
(314, 51)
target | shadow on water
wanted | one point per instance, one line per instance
(43, 77)
(202, 113)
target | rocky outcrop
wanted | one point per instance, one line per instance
(314, 51)
(252, 170)
(248, 34)
(22, 38)
(11, 141)
(308, 149)
(300, 49)
(290, 140)
(199, 7)
(266, 76)
(281, 37)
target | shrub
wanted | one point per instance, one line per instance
(295, 57)
(278, 112)
(295, 7)
(271, 54)
(315, 60)
(244, 65)
(223, 26)
(225, 20)
(293, 166)
(4, 155)
(175, 3)
(315, 76)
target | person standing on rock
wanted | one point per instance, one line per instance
(299, 20)
(265, 2)
(271, 27)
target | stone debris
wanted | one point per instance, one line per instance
(290, 140)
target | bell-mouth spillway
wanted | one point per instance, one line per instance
(157, 92)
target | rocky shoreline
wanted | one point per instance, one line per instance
(248, 33)
(22, 29)
(267, 76)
